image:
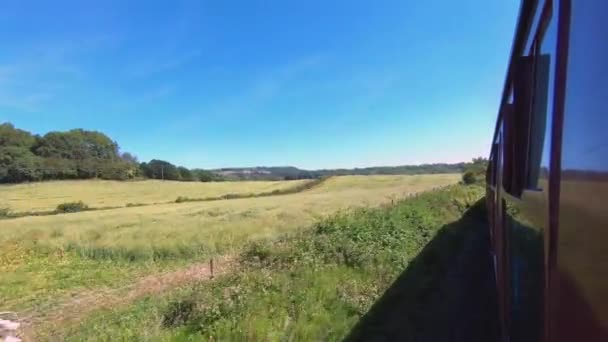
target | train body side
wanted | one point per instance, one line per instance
(547, 181)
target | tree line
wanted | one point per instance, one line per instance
(79, 154)
(291, 173)
(82, 154)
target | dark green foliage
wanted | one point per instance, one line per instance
(475, 172)
(75, 154)
(5, 212)
(292, 173)
(185, 174)
(206, 176)
(178, 313)
(71, 207)
(181, 199)
(469, 178)
(160, 169)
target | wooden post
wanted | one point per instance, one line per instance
(211, 267)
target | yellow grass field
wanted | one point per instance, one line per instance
(46, 256)
(101, 193)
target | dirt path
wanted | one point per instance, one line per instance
(79, 307)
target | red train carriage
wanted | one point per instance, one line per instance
(547, 182)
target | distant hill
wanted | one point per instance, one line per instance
(290, 172)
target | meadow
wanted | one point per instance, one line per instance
(352, 275)
(44, 196)
(49, 259)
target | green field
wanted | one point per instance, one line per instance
(47, 260)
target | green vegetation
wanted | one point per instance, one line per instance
(475, 172)
(82, 154)
(75, 154)
(48, 260)
(78, 154)
(72, 207)
(319, 283)
(291, 173)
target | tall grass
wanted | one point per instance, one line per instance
(45, 196)
(55, 255)
(317, 284)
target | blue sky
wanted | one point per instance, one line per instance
(242, 83)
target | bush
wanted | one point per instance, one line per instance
(469, 178)
(5, 212)
(72, 207)
(181, 199)
(179, 313)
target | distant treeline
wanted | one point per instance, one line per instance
(82, 154)
(78, 154)
(290, 172)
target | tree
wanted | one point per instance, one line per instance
(11, 136)
(75, 154)
(469, 178)
(18, 164)
(160, 169)
(475, 171)
(185, 174)
(205, 176)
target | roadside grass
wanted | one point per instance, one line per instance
(316, 284)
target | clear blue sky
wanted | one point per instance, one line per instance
(242, 83)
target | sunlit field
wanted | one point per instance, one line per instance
(46, 255)
(321, 284)
(47, 259)
(43, 196)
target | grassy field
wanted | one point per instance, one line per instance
(49, 258)
(319, 284)
(36, 197)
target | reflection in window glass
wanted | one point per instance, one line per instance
(585, 144)
(548, 47)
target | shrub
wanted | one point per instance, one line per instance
(181, 199)
(469, 178)
(258, 251)
(5, 212)
(71, 207)
(178, 313)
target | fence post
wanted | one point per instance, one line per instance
(211, 267)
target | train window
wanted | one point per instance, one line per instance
(524, 93)
(508, 148)
(524, 222)
(491, 177)
(535, 24)
(538, 118)
(547, 47)
(526, 124)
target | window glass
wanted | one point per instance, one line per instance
(523, 222)
(535, 24)
(548, 49)
(585, 144)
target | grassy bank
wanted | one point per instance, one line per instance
(317, 284)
